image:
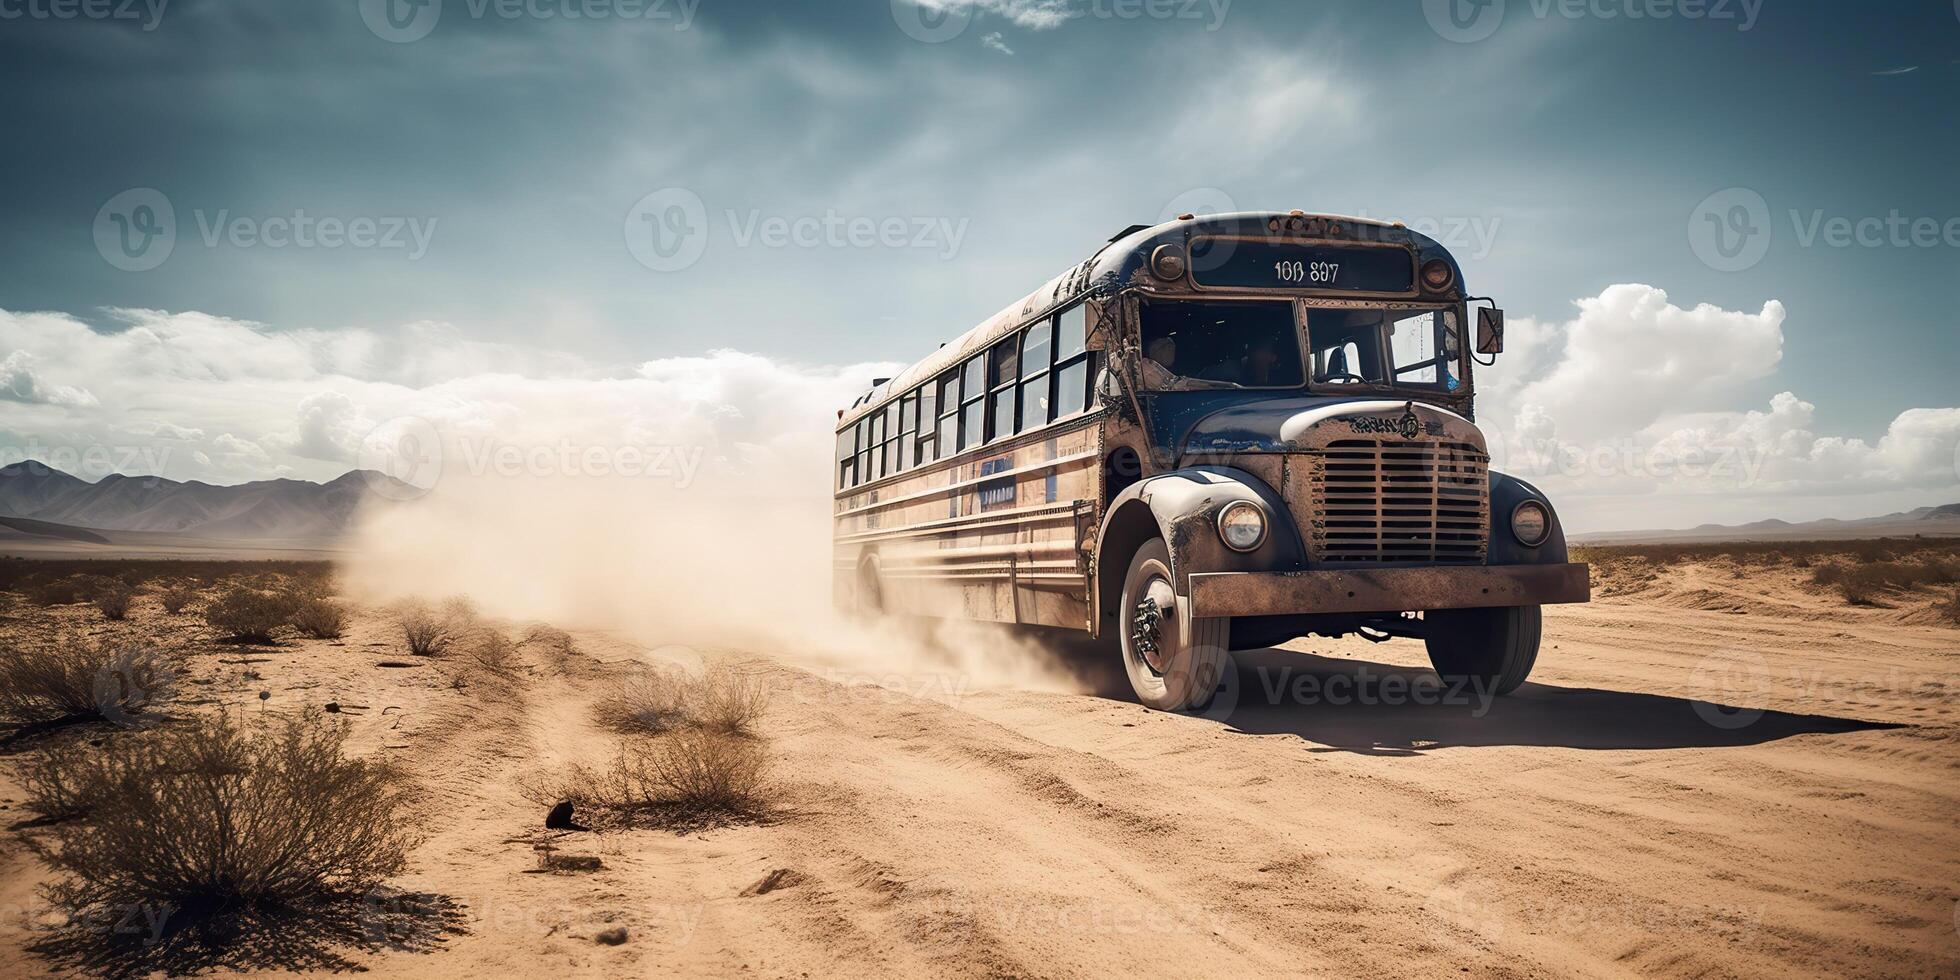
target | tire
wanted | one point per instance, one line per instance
(1493, 649)
(1188, 661)
(868, 599)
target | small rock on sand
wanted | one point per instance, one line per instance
(616, 936)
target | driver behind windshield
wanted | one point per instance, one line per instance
(1220, 344)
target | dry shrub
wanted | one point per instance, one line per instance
(684, 780)
(1951, 611)
(178, 597)
(1857, 591)
(56, 591)
(61, 682)
(319, 617)
(729, 699)
(724, 698)
(556, 643)
(251, 615)
(490, 650)
(114, 599)
(647, 703)
(1829, 573)
(216, 822)
(430, 631)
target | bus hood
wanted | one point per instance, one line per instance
(1308, 424)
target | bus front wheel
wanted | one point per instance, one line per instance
(1493, 649)
(1174, 662)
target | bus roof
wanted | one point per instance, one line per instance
(1118, 263)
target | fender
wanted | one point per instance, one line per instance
(1182, 507)
(1506, 493)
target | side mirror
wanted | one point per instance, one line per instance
(1490, 330)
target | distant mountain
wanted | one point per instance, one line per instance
(269, 509)
(1941, 521)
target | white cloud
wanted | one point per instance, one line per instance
(1637, 397)
(1035, 15)
(1633, 407)
(20, 383)
(995, 41)
(300, 402)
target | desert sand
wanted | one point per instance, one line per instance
(1714, 772)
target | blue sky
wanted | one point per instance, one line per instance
(502, 158)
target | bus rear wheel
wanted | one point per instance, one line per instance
(1174, 662)
(870, 592)
(1492, 649)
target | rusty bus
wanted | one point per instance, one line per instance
(1216, 433)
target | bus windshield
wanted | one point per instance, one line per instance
(1385, 347)
(1191, 345)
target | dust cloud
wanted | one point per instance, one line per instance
(679, 516)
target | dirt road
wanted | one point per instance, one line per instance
(1348, 818)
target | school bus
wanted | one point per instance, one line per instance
(1217, 433)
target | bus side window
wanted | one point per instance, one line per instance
(908, 429)
(846, 458)
(1071, 332)
(1003, 373)
(864, 453)
(1072, 361)
(927, 410)
(973, 401)
(949, 415)
(1035, 400)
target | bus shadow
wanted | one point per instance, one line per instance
(1346, 705)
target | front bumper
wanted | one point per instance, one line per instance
(1386, 590)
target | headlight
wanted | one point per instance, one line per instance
(1530, 523)
(1242, 524)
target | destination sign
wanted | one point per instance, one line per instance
(1226, 263)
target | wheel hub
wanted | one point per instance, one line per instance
(1148, 619)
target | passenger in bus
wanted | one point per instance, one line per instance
(1256, 368)
(1157, 367)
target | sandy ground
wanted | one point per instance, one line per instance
(1684, 789)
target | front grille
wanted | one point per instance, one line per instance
(1378, 501)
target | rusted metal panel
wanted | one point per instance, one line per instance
(1386, 590)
